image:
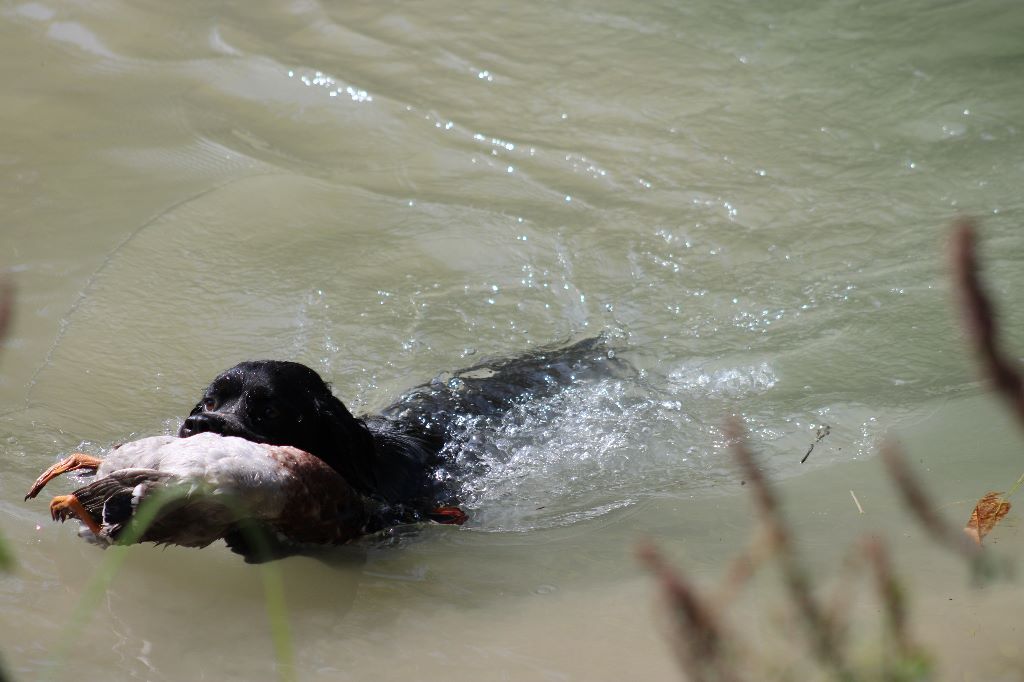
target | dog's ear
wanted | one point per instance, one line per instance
(345, 443)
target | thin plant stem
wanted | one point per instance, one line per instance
(103, 577)
(824, 641)
(1001, 370)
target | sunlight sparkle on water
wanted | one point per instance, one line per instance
(334, 89)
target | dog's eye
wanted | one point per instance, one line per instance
(209, 404)
(272, 412)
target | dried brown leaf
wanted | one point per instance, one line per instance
(989, 511)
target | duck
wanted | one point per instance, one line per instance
(265, 501)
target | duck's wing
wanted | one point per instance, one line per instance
(186, 515)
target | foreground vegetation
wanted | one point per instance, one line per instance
(709, 649)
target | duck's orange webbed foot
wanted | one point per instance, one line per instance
(64, 506)
(75, 462)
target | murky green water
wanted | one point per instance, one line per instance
(753, 196)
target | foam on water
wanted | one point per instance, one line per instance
(597, 447)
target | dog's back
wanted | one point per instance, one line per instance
(417, 434)
(490, 388)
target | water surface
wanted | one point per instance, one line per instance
(752, 199)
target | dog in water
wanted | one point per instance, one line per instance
(399, 455)
(270, 461)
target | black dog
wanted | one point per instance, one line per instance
(397, 457)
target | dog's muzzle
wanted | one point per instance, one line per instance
(212, 422)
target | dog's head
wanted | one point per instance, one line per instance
(280, 403)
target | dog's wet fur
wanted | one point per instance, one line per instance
(395, 456)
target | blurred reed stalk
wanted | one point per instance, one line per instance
(823, 638)
(147, 514)
(1002, 372)
(6, 307)
(6, 314)
(699, 642)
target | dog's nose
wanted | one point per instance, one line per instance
(197, 423)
